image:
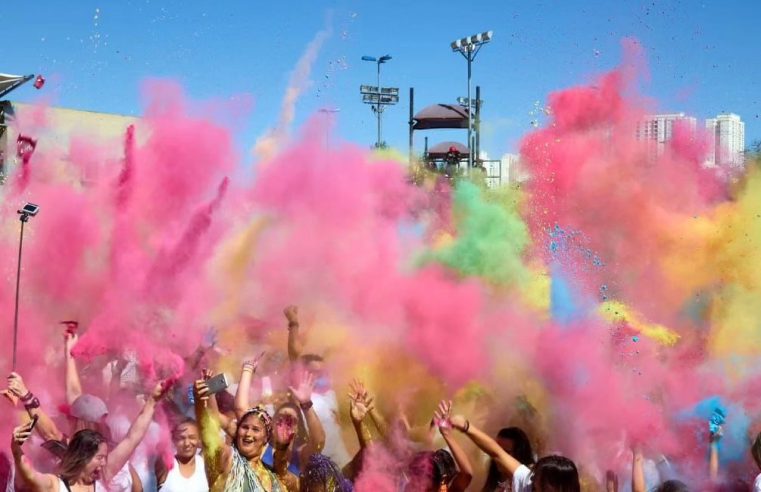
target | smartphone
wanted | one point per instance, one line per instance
(35, 419)
(217, 383)
(56, 448)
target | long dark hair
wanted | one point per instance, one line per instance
(672, 486)
(521, 451)
(556, 473)
(82, 448)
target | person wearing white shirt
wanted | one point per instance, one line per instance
(188, 473)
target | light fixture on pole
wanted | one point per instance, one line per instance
(469, 48)
(379, 96)
(29, 210)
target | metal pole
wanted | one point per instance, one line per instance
(23, 219)
(478, 123)
(470, 119)
(412, 116)
(378, 107)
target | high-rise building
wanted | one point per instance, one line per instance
(656, 130)
(727, 142)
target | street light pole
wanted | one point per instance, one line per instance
(469, 48)
(379, 103)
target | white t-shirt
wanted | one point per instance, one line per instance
(757, 484)
(522, 479)
(175, 482)
(326, 408)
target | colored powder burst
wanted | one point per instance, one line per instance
(490, 238)
(169, 246)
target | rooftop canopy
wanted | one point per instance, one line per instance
(440, 150)
(441, 116)
(9, 82)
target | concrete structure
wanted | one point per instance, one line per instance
(727, 142)
(505, 171)
(59, 131)
(656, 130)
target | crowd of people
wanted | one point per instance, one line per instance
(289, 440)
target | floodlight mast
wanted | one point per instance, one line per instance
(469, 47)
(378, 104)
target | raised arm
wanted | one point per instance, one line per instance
(247, 371)
(360, 407)
(358, 388)
(45, 426)
(295, 345)
(302, 393)
(465, 468)
(39, 482)
(119, 456)
(73, 385)
(638, 472)
(488, 445)
(217, 455)
(713, 454)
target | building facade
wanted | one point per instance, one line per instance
(727, 140)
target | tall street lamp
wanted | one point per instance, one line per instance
(469, 48)
(376, 96)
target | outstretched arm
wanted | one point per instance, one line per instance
(39, 482)
(488, 445)
(302, 393)
(465, 469)
(713, 457)
(247, 371)
(295, 345)
(358, 388)
(217, 455)
(45, 426)
(119, 456)
(73, 385)
(638, 472)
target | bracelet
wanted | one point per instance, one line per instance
(467, 426)
(31, 405)
(27, 397)
(306, 406)
(293, 324)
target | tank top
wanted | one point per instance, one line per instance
(64, 487)
(175, 482)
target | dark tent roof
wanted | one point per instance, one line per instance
(9, 82)
(441, 116)
(440, 150)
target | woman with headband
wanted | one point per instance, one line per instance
(236, 467)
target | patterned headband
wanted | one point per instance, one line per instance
(262, 415)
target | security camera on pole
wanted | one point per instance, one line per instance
(469, 48)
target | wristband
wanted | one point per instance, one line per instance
(293, 324)
(467, 426)
(32, 404)
(306, 406)
(27, 397)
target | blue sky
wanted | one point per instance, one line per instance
(703, 56)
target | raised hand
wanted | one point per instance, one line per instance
(459, 422)
(442, 417)
(253, 364)
(303, 388)
(20, 435)
(292, 314)
(201, 390)
(16, 385)
(161, 389)
(70, 339)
